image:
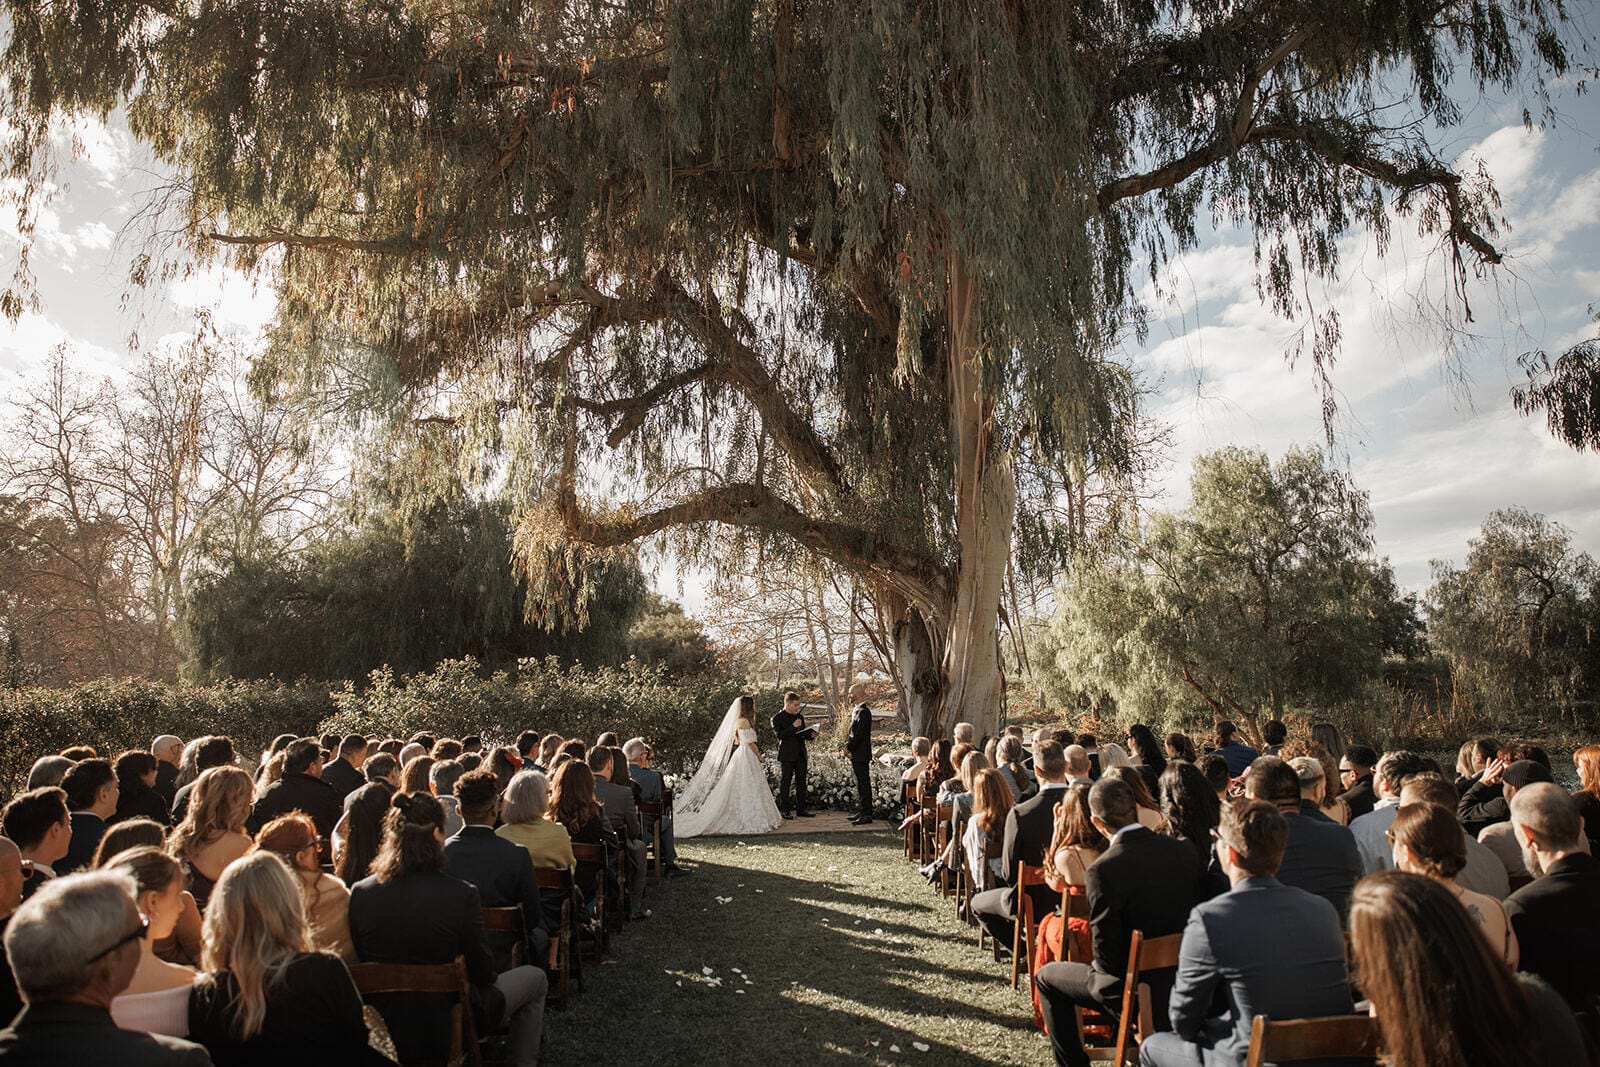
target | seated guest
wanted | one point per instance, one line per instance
(1076, 845)
(1233, 950)
(1150, 816)
(1078, 767)
(1500, 838)
(606, 740)
(1317, 786)
(1557, 917)
(525, 820)
(167, 750)
(1320, 856)
(1029, 828)
(267, 997)
(1008, 761)
(1586, 761)
(91, 788)
(547, 751)
(360, 832)
(181, 945)
(48, 771)
(940, 769)
(504, 765)
(442, 779)
(134, 833)
(209, 752)
(423, 738)
(344, 773)
(1274, 733)
(621, 814)
(1309, 771)
(1180, 746)
(1143, 881)
(1428, 840)
(325, 900)
(156, 1000)
(1440, 992)
(963, 795)
(414, 776)
(73, 947)
(1356, 770)
(409, 752)
(137, 797)
(39, 824)
(410, 911)
(1192, 813)
(501, 870)
(991, 805)
(1372, 829)
(10, 901)
(1484, 803)
(950, 787)
(1215, 768)
(1233, 751)
(472, 745)
(212, 836)
(447, 748)
(300, 789)
(964, 733)
(1112, 756)
(79, 753)
(383, 774)
(1149, 756)
(1483, 873)
(652, 788)
(527, 746)
(574, 805)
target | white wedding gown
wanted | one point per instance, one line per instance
(740, 802)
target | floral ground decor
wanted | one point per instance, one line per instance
(831, 784)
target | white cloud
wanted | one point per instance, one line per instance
(25, 347)
(104, 150)
(236, 301)
(1511, 154)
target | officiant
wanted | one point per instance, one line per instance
(793, 734)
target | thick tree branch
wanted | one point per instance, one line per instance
(635, 409)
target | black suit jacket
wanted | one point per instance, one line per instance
(503, 875)
(1144, 881)
(1029, 828)
(342, 777)
(791, 745)
(312, 1007)
(10, 999)
(1321, 858)
(87, 830)
(1483, 805)
(298, 792)
(167, 781)
(425, 918)
(1361, 798)
(139, 802)
(51, 1035)
(859, 741)
(1557, 920)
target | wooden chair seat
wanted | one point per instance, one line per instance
(597, 857)
(1328, 1037)
(441, 978)
(1024, 927)
(559, 879)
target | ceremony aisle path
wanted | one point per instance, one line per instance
(820, 948)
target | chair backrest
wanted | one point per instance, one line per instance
(552, 877)
(1311, 1039)
(1028, 876)
(648, 808)
(440, 978)
(666, 800)
(588, 853)
(504, 920)
(1145, 954)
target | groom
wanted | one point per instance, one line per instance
(859, 745)
(793, 733)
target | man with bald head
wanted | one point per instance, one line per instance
(168, 751)
(1557, 916)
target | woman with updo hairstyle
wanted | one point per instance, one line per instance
(267, 997)
(157, 1000)
(410, 911)
(293, 839)
(1181, 746)
(1441, 994)
(1428, 840)
(212, 835)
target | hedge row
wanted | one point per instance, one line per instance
(454, 699)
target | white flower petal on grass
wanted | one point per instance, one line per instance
(739, 991)
(919, 1046)
(894, 1048)
(707, 971)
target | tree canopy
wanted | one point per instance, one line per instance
(773, 275)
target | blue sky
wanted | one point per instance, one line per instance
(1432, 437)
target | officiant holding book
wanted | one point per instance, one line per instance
(793, 734)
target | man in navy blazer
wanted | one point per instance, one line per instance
(499, 868)
(1270, 949)
(1321, 856)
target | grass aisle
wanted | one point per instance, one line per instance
(821, 947)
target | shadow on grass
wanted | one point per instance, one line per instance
(823, 945)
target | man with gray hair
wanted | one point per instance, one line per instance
(964, 733)
(73, 947)
(168, 751)
(1557, 916)
(652, 790)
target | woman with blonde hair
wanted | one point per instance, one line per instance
(212, 835)
(268, 998)
(157, 1000)
(293, 839)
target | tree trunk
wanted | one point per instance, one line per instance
(917, 669)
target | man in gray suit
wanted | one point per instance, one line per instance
(621, 814)
(652, 787)
(1237, 942)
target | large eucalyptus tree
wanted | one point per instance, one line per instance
(837, 276)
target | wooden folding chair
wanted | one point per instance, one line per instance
(596, 856)
(1144, 954)
(908, 801)
(1327, 1037)
(442, 978)
(509, 921)
(655, 813)
(941, 838)
(559, 879)
(1024, 926)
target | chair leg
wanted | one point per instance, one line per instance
(1016, 955)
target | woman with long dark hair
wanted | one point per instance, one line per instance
(1181, 746)
(1150, 816)
(1150, 754)
(1193, 810)
(1440, 993)
(410, 911)
(363, 833)
(941, 768)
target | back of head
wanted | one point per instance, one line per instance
(1257, 834)
(634, 748)
(572, 800)
(1529, 751)
(79, 753)
(214, 752)
(991, 800)
(363, 833)
(423, 738)
(1182, 747)
(1525, 772)
(85, 780)
(1113, 803)
(1433, 836)
(1086, 740)
(478, 794)
(378, 768)
(1009, 751)
(1215, 768)
(410, 751)
(1274, 781)
(1395, 767)
(448, 748)
(1189, 803)
(1328, 736)
(527, 798)
(287, 837)
(472, 743)
(1226, 731)
(1429, 788)
(1362, 757)
(48, 771)
(1049, 762)
(152, 870)
(352, 746)
(599, 761)
(301, 755)
(527, 744)
(60, 941)
(921, 747)
(416, 776)
(255, 923)
(131, 767)
(410, 837)
(443, 776)
(1077, 760)
(128, 833)
(606, 740)
(1440, 993)
(1309, 773)
(164, 744)
(29, 817)
(1550, 815)
(964, 733)
(1275, 732)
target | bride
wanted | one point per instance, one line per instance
(729, 794)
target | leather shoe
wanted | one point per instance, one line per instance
(806, 814)
(678, 872)
(788, 815)
(861, 820)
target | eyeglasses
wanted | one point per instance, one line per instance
(1346, 770)
(137, 934)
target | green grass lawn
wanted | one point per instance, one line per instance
(821, 947)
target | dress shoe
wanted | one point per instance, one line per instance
(678, 872)
(806, 814)
(861, 820)
(788, 815)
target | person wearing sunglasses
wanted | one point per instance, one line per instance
(74, 946)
